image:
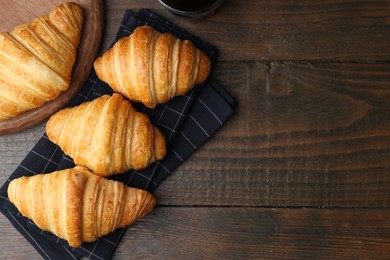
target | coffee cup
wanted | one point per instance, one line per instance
(193, 9)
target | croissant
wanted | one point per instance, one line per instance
(78, 206)
(37, 58)
(107, 135)
(151, 68)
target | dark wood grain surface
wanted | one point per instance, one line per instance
(302, 169)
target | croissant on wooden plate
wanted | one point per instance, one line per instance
(77, 205)
(151, 67)
(37, 58)
(107, 135)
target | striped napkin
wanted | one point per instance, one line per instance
(187, 122)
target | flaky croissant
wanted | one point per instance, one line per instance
(37, 58)
(107, 135)
(77, 205)
(151, 68)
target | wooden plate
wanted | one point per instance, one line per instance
(15, 12)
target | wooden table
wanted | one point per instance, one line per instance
(302, 169)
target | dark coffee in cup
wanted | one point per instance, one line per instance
(192, 8)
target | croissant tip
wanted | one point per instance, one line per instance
(71, 5)
(97, 62)
(205, 69)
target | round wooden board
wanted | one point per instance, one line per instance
(15, 12)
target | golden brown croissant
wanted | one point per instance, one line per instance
(77, 205)
(37, 58)
(107, 135)
(151, 67)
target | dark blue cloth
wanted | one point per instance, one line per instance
(187, 122)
